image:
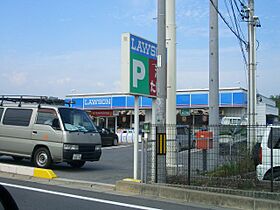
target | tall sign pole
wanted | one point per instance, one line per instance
(252, 96)
(171, 81)
(135, 138)
(214, 74)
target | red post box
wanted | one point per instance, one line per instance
(204, 140)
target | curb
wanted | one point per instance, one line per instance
(28, 171)
(132, 180)
(62, 182)
(197, 197)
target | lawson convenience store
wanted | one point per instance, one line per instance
(115, 110)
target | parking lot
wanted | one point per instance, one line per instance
(115, 164)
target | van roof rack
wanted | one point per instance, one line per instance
(32, 99)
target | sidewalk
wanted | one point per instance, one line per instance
(251, 201)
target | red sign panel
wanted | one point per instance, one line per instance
(101, 113)
(152, 77)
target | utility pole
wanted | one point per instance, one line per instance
(171, 83)
(161, 64)
(171, 62)
(161, 84)
(252, 96)
(213, 78)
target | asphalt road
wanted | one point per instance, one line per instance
(31, 196)
(116, 163)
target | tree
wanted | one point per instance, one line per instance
(276, 98)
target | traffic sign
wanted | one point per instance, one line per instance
(161, 143)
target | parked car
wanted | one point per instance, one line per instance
(32, 128)
(234, 121)
(263, 155)
(108, 138)
(127, 136)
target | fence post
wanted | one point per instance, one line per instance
(146, 156)
(271, 158)
(156, 159)
(189, 157)
(142, 160)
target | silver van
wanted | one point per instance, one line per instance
(34, 128)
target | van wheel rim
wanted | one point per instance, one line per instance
(42, 159)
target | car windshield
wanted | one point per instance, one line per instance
(75, 120)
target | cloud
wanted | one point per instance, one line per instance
(86, 71)
(192, 11)
(135, 17)
(61, 82)
(194, 31)
(16, 78)
(193, 68)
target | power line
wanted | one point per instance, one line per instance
(226, 4)
(238, 29)
(242, 3)
(239, 38)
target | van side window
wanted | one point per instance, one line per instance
(1, 113)
(18, 117)
(274, 135)
(45, 116)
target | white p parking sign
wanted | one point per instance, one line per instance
(138, 66)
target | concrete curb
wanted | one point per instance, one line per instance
(28, 171)
(62, 182)
(197, 197)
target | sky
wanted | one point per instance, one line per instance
(59, 47)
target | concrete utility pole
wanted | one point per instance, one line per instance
(161, 64)
(214, 66)
(213, 79)
(161, 86)
(171, 62)
(171, 83)
(252, 96)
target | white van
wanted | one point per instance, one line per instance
(234, 121)
(30, 127)
(268, 154)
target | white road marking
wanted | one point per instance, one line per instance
(79, 197)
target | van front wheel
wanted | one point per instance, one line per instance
(42, 158)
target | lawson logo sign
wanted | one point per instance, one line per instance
(104, 102)
(143, 47)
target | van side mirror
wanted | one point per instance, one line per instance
(55, 124)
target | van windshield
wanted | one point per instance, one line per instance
(75, 120)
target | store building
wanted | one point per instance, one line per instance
(115, 110)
